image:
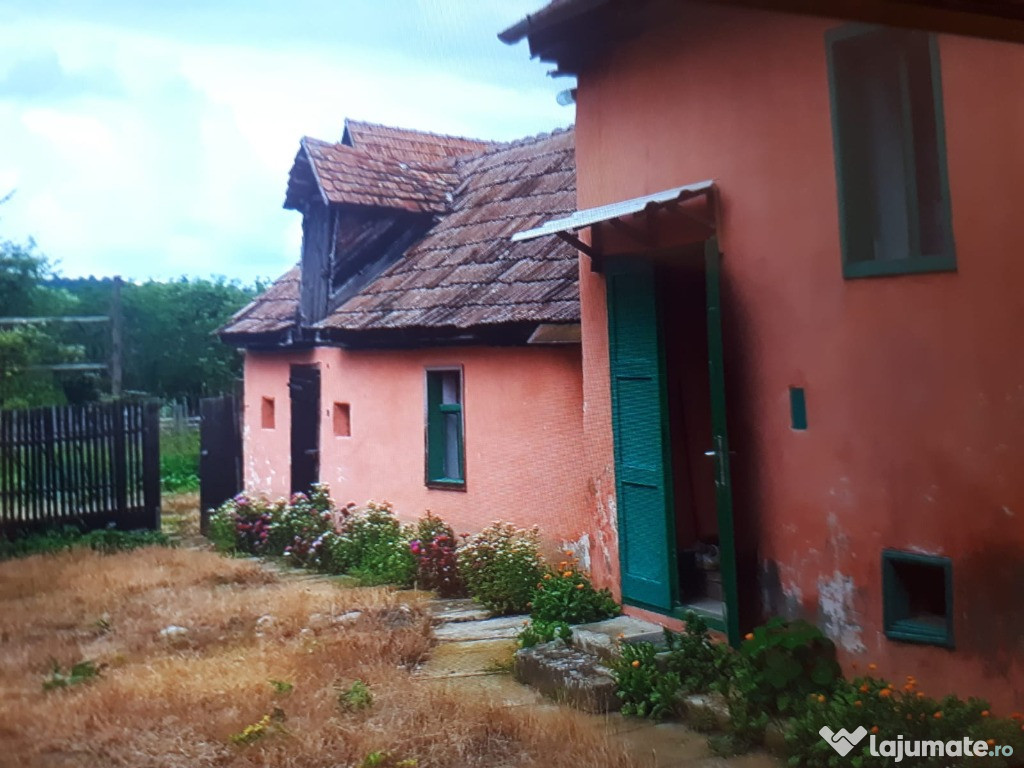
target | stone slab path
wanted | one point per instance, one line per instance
(474, 655)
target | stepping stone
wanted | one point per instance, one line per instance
(476, 657)
(568, 675)
(601, 637)
(502, 627)
(454, 610)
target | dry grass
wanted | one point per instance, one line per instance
(164, 703)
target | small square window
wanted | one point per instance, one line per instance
(342, 420)
(267, 413)
(887, 124)
(445, 449)
(917, 596)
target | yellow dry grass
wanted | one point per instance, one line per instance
(175, 703)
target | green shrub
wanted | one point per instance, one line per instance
(699, 662)
(81, 672)
(374, 546)
(179, 460)
(501, 566)
(104, 540)
(890, 711)
(567, 595)
(295, 526)
(356, 697)
(784, 662)
(537, 632)
(643, 685)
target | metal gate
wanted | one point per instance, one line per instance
(220, 453)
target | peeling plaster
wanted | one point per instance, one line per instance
(841, 620)
(580, 550)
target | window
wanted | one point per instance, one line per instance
(797, 408)
(887, 125)
(267, 413)
(917, 597)
(445, 451)
(342, 420)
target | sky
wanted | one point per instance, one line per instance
(153, 139)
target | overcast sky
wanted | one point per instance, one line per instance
(153, 139)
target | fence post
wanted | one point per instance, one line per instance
(151, 462)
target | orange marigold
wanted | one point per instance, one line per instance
(937, 715)
(984, 713)
(885, 693)
(748, 636)
(874, 729)
(636, 662)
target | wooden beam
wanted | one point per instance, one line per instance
(576, 243)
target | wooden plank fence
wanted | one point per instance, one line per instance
(89, 465)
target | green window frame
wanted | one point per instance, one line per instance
(888, 130)
(917, 598)
(445, 441)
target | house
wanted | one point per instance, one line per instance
(416, 354)
(800, 244)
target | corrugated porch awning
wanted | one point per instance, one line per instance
(615, 213)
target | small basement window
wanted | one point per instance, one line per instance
(342, 420)
(917, 595)
(445, 448)
(890, 152)
(267, 413)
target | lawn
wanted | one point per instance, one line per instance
(263, 676)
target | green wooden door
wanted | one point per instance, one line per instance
(642, 468)
(720, 441)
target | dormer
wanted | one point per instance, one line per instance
(364, 201)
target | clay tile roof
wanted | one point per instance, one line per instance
(358, 177)
(466, 271)
(275, 310)
(408, 145)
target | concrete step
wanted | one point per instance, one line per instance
(488, 629)
(568, 675)
(456, 609)
(601, 638)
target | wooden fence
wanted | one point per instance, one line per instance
(89, 465)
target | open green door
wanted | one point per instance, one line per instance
(720, 441)
(642, 478)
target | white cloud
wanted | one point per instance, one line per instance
(142, 152)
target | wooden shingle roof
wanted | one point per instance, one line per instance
(465, 271)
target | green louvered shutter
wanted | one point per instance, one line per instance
(643, 483)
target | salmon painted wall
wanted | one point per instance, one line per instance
(914, 383)
(523, 433)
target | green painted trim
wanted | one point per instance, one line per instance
(720, 437)
(894, 621)
(889, 267)
(915, 262)
(436, 438)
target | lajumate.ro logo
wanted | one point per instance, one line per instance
(844, 742)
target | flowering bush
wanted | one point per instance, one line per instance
(241, 524)
(296, 525)
(566, 594)
(374, 546)
(889, 710)
(436, 563)
(501, 566)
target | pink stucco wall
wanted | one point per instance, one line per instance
(915, 389)
(523, 418)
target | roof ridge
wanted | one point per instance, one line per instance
(434, 134)
(524, 141)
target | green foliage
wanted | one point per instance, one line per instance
(106, 541)
(375, 546)
(650, 683)
(567, 595)
(282, 687)
(782, 663)
(81, 672)
(889, 711)
(537, 632)
(356, 697)
(501, 566)
(642, 684)
(179, 460)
